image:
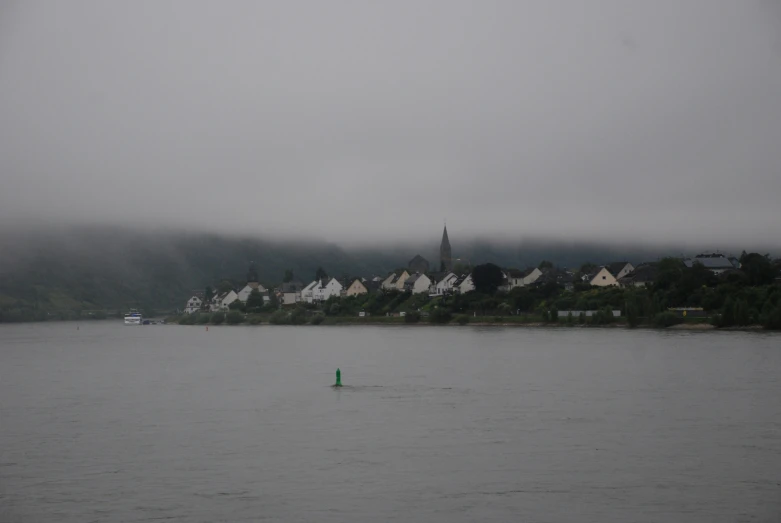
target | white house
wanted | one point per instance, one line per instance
(222, 301)
(417, 284)
(445, 285)
(324, 290)
(516, 278)
(603, 278)
(389, 283)
(308, 292)
(193, 305)
(244, 293)
(465, 284)
(321, 290)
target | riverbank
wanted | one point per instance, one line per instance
(690, 324)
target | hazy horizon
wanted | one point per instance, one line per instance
(360, 124)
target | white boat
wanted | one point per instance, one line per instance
(133, 317)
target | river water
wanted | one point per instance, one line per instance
(110, 423)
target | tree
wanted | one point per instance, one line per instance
(440, 315)
(288, 276)
(273, 300)
(759, 269)
(669, 271)
(236, 305)
(632, 312)
(298, 316)
(320, 274)
(208, 294)
(773, 318)
(487, 278)
(545, 264)
(254, 301)
(234, 317)
(587, 268)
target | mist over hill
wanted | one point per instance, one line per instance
(114, 268)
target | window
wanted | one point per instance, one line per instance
(604, 277)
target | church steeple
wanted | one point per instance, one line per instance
(445, 255)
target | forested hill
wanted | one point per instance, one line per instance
(104, 268)
(94, 269)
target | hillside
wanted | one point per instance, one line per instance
(108, 268)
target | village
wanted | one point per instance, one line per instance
(546, 283)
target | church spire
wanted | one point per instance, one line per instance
(445, 254)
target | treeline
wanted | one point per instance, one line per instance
(749, 296)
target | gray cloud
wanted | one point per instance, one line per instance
(657, 121)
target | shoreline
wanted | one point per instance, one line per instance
(693, 327)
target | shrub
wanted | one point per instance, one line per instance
(554, 315)
(298, 316)
(234, 317)
(582, 318)
(236, 305)
(632, 314)
(280, 318)
(603, 316)
(773, 319)
(317, 320)
(570, 319)
(217, 318)
(498, 319)
(187, 319)
(440, 316)
(412, 317)
(462, 320)
(253, 319)
(667, 319)
(202, 319)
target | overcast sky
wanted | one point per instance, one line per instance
(349, 120)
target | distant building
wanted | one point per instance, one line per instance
(327, 288)
(643, 275)
(395, 281)
(464, 284)
(355, 288)
(320, 290)
(418, 264)
(442, 283)
(714, 262)
(252, 284)
(417, 284)
(445, 253)
(291, 293)
(248, 288)
(221, 301)
(516, 278)
(193, 305)
(602, 278)
(619, 269)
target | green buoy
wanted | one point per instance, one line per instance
(338, 378)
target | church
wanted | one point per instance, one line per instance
(420, 265)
